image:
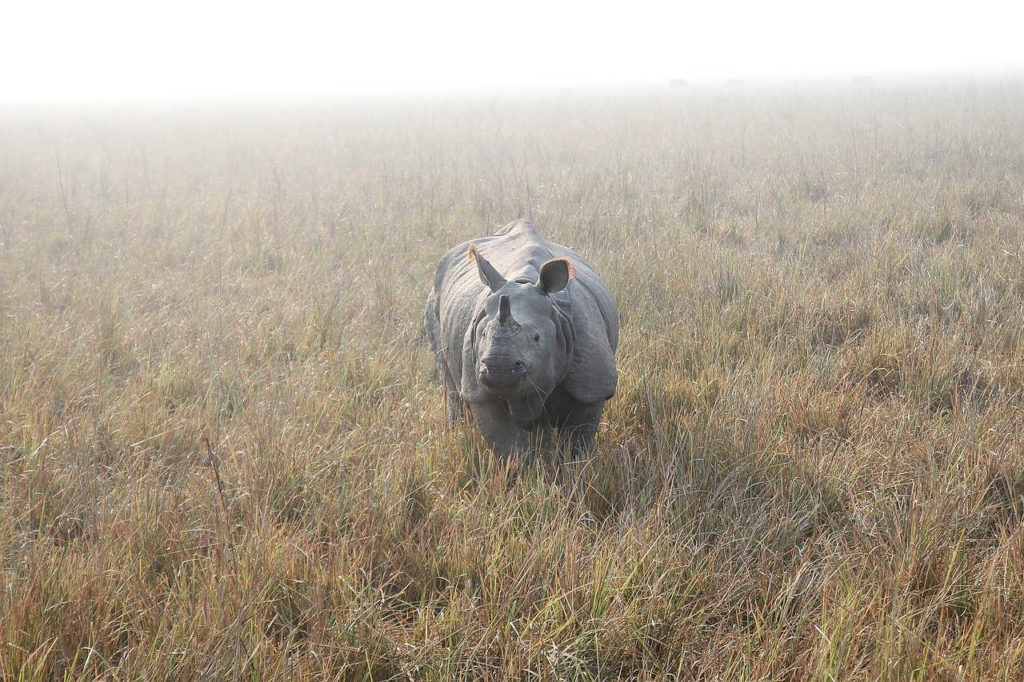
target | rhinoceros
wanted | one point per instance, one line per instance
(524, 332)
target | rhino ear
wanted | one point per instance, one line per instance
(555, 275)
(488, 275)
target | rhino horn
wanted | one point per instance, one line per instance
(504, 310)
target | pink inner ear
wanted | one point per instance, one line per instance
(569, 267)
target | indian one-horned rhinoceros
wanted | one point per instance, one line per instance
(525, 332)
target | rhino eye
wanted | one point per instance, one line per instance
(536, 337)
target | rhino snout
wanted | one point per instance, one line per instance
(497, 373)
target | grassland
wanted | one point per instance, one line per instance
(813, 469)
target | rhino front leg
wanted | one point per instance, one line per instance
(503, 435)
(456, 408)
(453, 399)
(580, 426)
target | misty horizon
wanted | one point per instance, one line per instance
(115, 50)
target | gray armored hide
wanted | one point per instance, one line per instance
(524, 332)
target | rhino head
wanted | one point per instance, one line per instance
(522, 339)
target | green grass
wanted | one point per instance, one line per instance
(813, 468)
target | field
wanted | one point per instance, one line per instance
(223, 446)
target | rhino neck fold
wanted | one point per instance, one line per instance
(566, 335)
(527, 409)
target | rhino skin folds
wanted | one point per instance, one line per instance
(524, 332)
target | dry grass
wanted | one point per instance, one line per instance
(814, 467)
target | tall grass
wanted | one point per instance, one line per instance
(813, 468)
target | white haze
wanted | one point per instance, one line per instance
(81, 51)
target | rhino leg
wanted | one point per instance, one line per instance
(576, 422)
(503, 435)
(456, 407)
(453, 399)
(579, 428)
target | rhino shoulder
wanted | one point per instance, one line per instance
(592, 375)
